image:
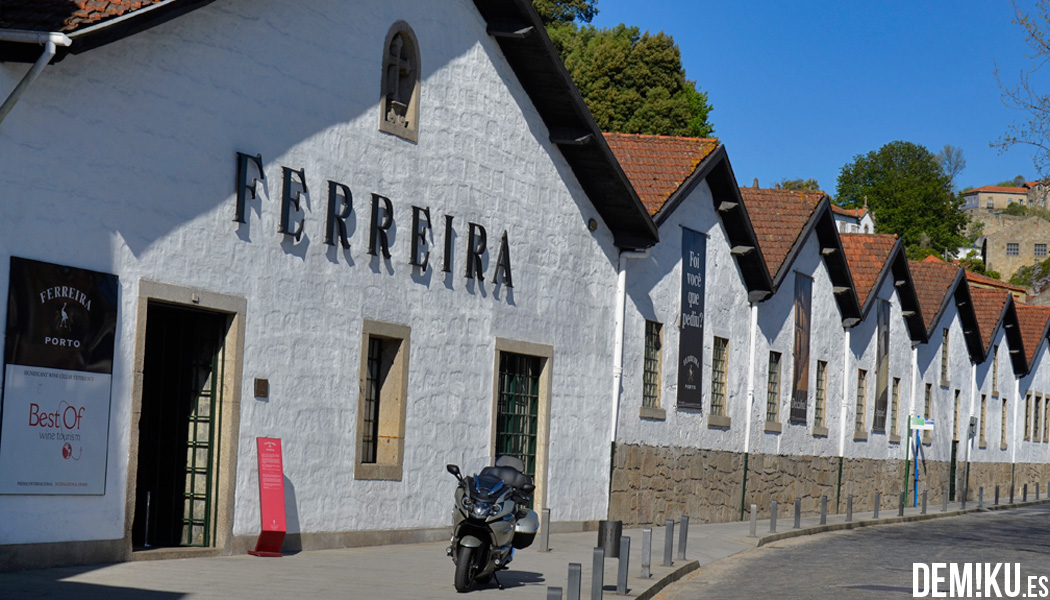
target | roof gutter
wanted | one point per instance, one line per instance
(50, 41)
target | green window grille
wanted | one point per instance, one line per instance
(1028, 416)
(204, 424)
(929, 401)
(718, 376)
(651, 374)
(995, 371)
(373, 383)
(1036, 425)
(895, 405)
(517, 407)
(822, 393)
(984, 416)
(862, 380)
(944, 356)
(773, 388)
(1003, 426)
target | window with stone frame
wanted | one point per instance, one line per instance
(862, 392)
(1036, 425)
(399, 104)
(821, 398)
(1046, 419)
(653, 363)
(1013, 249)
(719, 368)
(955, 418)
(984, 418)
(1002, 443)
(1028, 416)
(895, 405)
(944, 357)
(382, 401)
(928, 406)
(995, 370)
(1039, 250)
(773, 389)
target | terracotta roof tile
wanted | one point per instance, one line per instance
(857, 213)
(988, 305)
(779, 217)
(985, 280)
(932, 282)
(1033, 324)
(997, 188)
(64, 15)
(657, 165)
(866, 254)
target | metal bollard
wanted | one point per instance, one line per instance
(683, 537)
(900, 507)
(849, 508)
(773, 516)
(754, 521)
(877, 498)
(609, 533)
(980, 497)
(621, 575)
(798, 513)
(944, 499)
(545, 532)
(963, 501)
(553, 593)
(1024, 493)
(1037, 491)
(647, 552)
(823, 510)
(575, 581)
(924, 493)
(1011, 493)
(996, 496)
(668, 542)
(597, 573)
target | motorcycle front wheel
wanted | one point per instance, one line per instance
(466, 567)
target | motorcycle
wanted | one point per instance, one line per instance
(490, 520)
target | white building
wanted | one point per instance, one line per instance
(385, 233)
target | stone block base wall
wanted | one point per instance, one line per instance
(653, 483)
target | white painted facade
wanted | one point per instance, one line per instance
(123, 160)
(863, 355)
(776, 326)
(654, 293)
(944, 390)
(1037, 383)
(995, 382)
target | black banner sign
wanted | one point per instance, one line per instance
(60, 317)
(803, 311)
(691, 326)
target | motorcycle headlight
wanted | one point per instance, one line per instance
(481, 509)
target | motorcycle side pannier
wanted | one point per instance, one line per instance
(525, 530)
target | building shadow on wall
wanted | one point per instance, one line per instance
(293, 540)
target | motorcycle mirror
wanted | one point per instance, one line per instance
(454, 469)
(528, 488)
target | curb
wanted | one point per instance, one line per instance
(668, 579)
(888, 521)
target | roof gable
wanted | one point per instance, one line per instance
(780, 218)
(658, 165)
(989, 306)
(939, 283)
(868, 257)
(1034, 324)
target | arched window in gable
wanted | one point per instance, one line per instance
(399, 106)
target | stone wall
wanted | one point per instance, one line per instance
(654, 483)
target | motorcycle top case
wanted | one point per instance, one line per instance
(525, 530)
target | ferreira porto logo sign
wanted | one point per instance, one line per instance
(58, 363)
(691, 328)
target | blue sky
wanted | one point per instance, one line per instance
(800, 88)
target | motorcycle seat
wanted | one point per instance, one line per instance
(509, 476)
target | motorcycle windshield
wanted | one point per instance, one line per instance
(486, 487)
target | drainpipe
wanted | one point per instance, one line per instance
(750, 405)
(621, 302)
(49, 41)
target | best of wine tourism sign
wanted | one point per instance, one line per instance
(58, 365)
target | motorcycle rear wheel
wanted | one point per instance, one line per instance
(466, 567)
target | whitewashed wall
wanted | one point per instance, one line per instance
(959, 375)
(864, 355)
(654, 290)
(1036, 382)
(123, 160)
(776, 326)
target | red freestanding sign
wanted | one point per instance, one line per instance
(271, 497)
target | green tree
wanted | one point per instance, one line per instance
(1015, 182)
(909, 194)
(806, 185)
(1016, 209)
(565, 11)
(632, 82)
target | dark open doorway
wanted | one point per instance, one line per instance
(175, 495)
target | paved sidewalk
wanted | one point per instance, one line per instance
(419, 571)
